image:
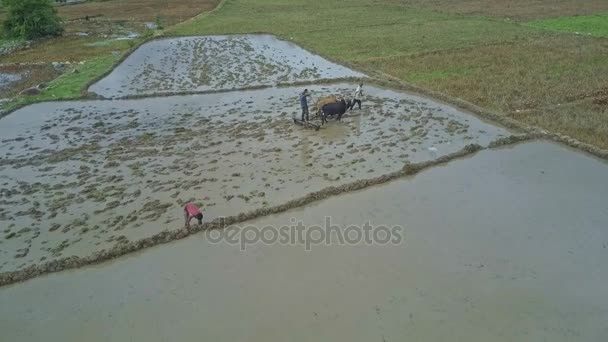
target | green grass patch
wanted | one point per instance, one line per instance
(70, 84)
(10, 41)
(9, 44)
(594, 25)
(439, 74)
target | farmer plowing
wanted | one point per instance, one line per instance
(325, 107)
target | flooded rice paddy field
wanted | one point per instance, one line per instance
(507, 245)
(79, 177)
(215, 63)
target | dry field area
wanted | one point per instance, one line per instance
(521, 10)
(531, 81)
(171, 11)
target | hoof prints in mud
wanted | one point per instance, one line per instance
(125, 246)
(214, 63)
(96, 174)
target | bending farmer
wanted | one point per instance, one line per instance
(191, 211)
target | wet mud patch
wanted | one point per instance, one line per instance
(215, 63)
(83, 177)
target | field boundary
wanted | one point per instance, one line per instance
(408, 169)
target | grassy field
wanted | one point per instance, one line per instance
(535, 73)
(594, 25)
(466, 49)
(358, 32)
(138, 11)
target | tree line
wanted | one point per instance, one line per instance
(31, 19)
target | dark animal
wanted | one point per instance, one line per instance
(325, 100)
(322, 102)
(336, 108)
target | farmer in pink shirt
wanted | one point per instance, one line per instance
(191, 211)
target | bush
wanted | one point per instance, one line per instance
(31, 19)
(159, 22)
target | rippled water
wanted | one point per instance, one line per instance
(215, 63)
(508, 245)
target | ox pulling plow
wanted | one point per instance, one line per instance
(324, 108)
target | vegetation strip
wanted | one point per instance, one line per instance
(166, 236)
(397, 84)
(594, 25)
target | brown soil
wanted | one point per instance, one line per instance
(170, 11)
(31, 75)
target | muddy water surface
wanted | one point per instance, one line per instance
(214, 63)
(79, 177)
(508, 245)
(6, 79)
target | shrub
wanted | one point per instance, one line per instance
(159, 22)
(31, 19)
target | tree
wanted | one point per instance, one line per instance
(31, 19)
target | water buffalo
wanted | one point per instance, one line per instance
(336, 108)
(322, 102)
(325, 100)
